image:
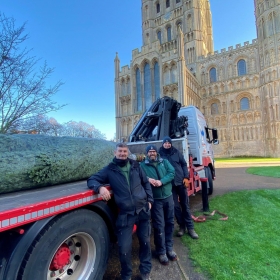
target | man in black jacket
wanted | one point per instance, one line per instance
(134, 198)
(179, 185)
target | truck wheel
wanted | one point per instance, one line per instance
(72, 246)
(210, 181)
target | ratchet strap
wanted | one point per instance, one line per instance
(209, 216)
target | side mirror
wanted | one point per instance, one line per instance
(216, 141)
(215, 133)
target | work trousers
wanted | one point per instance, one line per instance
(182, 207)
(163, 224)
(124, 226)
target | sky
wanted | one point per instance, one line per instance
(80, 38)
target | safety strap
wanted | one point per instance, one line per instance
(209, 216)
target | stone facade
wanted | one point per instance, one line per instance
(237, 89)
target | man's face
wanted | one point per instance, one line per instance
(152, 154)
(166, 145)
(121, 153)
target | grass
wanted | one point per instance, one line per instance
(247, 245)
(248, 159)
(268, 171)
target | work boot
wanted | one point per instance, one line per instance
(163, 259)
(172, 255)
(181, 232)
(192, 233)
(145, 276)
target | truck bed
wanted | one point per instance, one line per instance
(13, 200)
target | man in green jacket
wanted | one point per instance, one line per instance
(160, 174)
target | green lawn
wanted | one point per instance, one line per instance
(268, 171)
(248, 159)
(247, 245)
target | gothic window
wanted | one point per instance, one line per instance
(138, 91)
(241, 67)
(213, 75)
(168, 31)
(173, 74)
(203, 78)
(166, 76)
(179, 25)
(146, 11)
(231, 106)
(214, 109)
(167, 3)
(263, 29)
(123, 89)
(189, 22)
(277, 23)
(158, 8)
(157, 81)
(159, 36)
(128, 89)
(260, 31)
(270, 27)
(244, 104)
(147, 86)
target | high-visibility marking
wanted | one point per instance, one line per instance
(23, 215)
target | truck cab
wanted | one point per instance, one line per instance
(200, 136)
(187, 128)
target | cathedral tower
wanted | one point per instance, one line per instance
(267, 14)
(236, 88)
(162, 18)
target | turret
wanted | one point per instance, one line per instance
(198, 31)
(268, 29)
(147, 21)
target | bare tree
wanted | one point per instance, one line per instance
(40, 124)
(23, 89)
(81, 129)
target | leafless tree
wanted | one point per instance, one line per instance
(23, 89)
(40, 124)
(81, 129)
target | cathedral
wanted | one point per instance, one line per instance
(237, 88)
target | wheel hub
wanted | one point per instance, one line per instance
(61, 257)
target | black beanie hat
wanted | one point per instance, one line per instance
(166, 139)
(151, 147)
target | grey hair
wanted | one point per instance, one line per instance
(121, 145)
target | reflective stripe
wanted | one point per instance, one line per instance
(16, 217)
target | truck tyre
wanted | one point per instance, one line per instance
(210, 180)
(73, 246)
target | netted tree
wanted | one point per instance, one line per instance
(24, 92)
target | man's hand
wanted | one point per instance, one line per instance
(150, 205)
(158, 183)
(154, 182)
(186, 182)
(105, 194)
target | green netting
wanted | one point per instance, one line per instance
(32, 161)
